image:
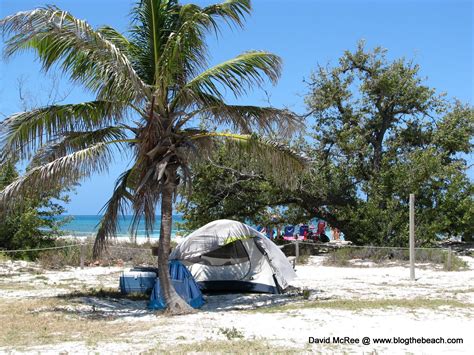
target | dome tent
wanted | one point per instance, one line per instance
(230, 256)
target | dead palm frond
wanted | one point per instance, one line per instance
(64, 171)
(116, 206)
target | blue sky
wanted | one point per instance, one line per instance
(437, 34)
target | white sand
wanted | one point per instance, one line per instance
(139, 240)
(290, 328)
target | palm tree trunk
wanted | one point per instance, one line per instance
(174, 303)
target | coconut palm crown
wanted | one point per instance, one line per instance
(150, 87)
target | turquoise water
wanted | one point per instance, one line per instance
(83, 225)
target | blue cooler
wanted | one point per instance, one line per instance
(137, 281)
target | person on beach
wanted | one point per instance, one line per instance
(335, 233)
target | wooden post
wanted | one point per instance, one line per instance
(297, 250)
(82, 255)
(412, 237)
(450, 259)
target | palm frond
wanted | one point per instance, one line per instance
(238, 74)
(153, 21)
(275, 160)
(115, 207)
(248, 119)
(245, 119)
(117, 39)
(88, 57)
(232, 11)
(63, 172)
(74, 141)
(22, 133)
(185, 52)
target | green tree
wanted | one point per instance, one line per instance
(377, 123)
(379, 134)
(150, 86)
(34, 223)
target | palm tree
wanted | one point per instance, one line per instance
(150, 88)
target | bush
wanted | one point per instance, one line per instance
(456, 263)
(343, 256)
(60, 258)
(33, 223)
(116, 254)
(231, 333)
(303, 259)
(4, 257)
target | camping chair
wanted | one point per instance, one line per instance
(304, 231)
(289, 233)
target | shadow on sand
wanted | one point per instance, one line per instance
(112, 305)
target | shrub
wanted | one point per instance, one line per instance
(456, 263)
(303, 259)
(4, 257)
(115, 254)
(33, 223)
(231, 333)
(60, 258)
(343, 256)
(306, 293)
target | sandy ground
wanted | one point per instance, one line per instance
(288, 328)
(123, 239)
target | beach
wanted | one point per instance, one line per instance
(367, 300)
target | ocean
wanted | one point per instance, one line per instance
(86, 225)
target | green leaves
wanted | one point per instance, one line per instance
(73, 141)
(34, 222)
(232, 11)
(24, 132)
(88, 57)
(455, 130)
(238, 74)
(243, 118)
(275, 160)
(379, 124)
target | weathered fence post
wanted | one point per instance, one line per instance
(412, 237)
(450, 259)
(82, 255)
(297, 250)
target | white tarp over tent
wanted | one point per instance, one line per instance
(227, 255)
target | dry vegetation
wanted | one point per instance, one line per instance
(435, 257)
(118, 253)
(358, 305)
(33, 322)
(225, 347)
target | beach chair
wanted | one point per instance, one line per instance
(289, 233)
(304, 231)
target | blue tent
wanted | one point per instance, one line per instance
(183, 283)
